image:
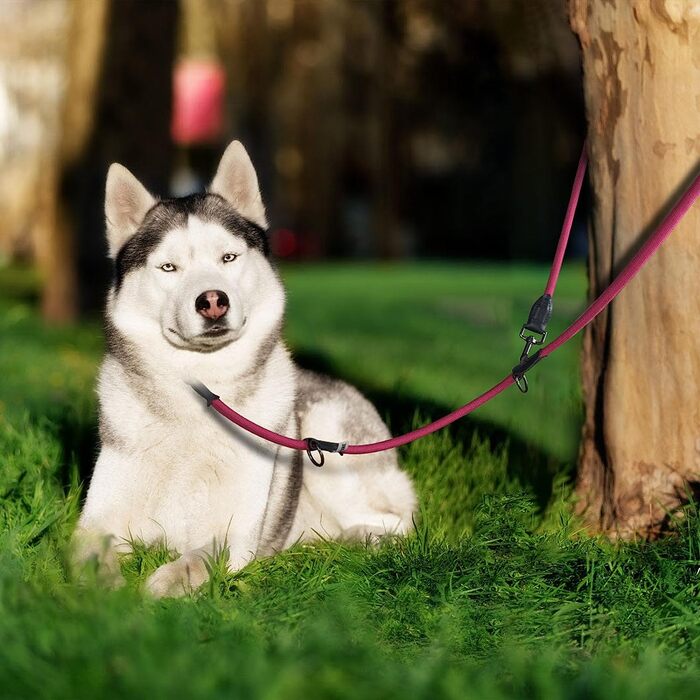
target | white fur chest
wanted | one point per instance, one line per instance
(172, 469)
(191, 484)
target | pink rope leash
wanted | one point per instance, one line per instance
(534, 330)
(315, 448)
(568, 222)
(313, 445)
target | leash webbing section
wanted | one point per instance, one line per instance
(650, 246)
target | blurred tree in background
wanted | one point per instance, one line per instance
(131, 119)
(94, 77)
(49, 57)
(385, 129)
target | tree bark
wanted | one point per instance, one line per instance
(640, 449)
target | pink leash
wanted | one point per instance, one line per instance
(536, 325)
(568, 222)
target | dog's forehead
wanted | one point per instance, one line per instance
(208, 215)
(199, 236)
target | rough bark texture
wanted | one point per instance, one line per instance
(641, 361)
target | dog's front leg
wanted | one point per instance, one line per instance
(237, 515)
(190, 571)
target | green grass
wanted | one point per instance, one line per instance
(498, 595)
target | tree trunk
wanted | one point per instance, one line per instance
(640, 449)
(389, 157)
(131, 125)
(56, 247)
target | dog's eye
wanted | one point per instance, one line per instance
(229, 257)
(168, 267)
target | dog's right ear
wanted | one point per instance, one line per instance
(127, 202)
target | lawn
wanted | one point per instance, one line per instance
(498, 594)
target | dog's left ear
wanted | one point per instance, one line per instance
(237, 183)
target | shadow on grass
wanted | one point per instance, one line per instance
(80, 442)
(77, 433)
(534, 468)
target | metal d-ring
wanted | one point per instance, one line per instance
(311, 448)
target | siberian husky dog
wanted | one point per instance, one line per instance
(196, 298)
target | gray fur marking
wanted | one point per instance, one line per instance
(278, 524)
(128, 358)
(109, 437)
(282, 501)
(121, 348)
(361, 421)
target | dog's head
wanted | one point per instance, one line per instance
(197, 267)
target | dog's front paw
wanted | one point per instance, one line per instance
(94, 558)
(178, 578)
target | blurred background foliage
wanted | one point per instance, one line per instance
(388, 129)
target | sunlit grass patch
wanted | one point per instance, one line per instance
(498, 593)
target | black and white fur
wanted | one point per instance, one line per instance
(169, 469)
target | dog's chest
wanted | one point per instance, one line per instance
(191, 485)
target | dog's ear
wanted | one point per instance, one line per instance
(237, 183)
(126, 203)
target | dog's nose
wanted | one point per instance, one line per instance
(212, 304)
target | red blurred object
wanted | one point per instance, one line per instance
(198, 102)
(284, 242)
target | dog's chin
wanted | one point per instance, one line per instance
(207, 341)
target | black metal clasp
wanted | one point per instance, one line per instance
(315, 449)
(533, 332)
(526, 363)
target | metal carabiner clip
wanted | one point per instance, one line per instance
(526, 362)
(535, 338)
(521, 382)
